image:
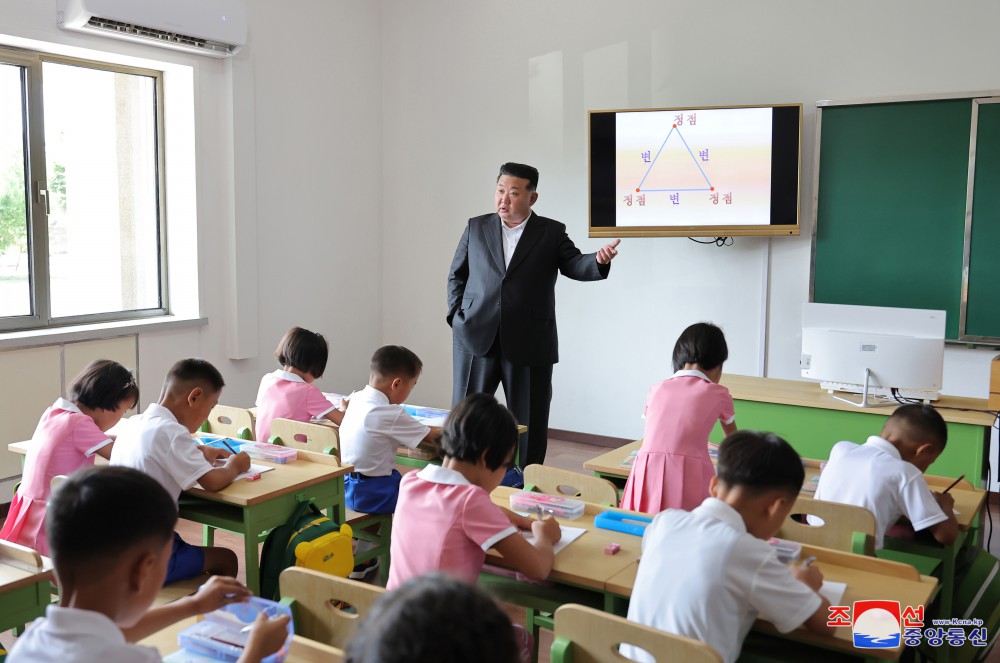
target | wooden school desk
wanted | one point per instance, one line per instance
(25, 581)
(583, 563)
(252, 508)
(866, 578)
(813, 421)
(302, 650)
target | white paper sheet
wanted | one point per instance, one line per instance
(833, 591)
(569, 535)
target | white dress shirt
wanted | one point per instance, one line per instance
(511, 236)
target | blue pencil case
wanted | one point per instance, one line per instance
(622, 522)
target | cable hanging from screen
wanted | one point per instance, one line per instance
(718, 241)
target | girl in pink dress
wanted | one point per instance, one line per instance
(289, 392)
(672, 469)
(66, 439)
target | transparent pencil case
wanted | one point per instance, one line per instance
(221, 636)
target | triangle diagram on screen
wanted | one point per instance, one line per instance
(674, 168)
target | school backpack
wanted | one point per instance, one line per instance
(308, 539)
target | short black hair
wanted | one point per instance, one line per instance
(98, 513)
(759, 462)
(416, 623)
(702, 343)
(103, 385)
(923, 424)
(480, 424)
(521, 170)
(194, 371)
(304, 350)
(393, 361)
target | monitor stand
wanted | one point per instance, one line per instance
(864, 394)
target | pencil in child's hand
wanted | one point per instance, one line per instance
(233, 451)
(808, 560)
(954, 483)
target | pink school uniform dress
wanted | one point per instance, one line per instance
(443, 523)
(284, 395)
(672, 469)
(64, 441)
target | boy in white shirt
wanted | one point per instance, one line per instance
(374, 426)
(109, 530)
(885, 474)
(709, 573)
(159, 443)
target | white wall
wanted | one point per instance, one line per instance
(290, 124)
(469, 85)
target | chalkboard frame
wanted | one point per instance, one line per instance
(976, 99)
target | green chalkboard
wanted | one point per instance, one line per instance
(983, 314)
(891, 209)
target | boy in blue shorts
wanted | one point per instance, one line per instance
(159, 443)
(374, 426)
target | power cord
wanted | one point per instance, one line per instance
(718, 241)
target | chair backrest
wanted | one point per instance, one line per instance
(845, 527)
(554, 481)
(305, 437)
(236, 422)
(586, 635)
(326, 608)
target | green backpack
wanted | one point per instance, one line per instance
(308, 539)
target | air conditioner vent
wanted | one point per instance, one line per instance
(159, 36)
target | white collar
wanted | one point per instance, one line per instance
(282, 374)
(883, 445)
(157, 410)
(443, 475)
(74, 621)
(518, 228)
(690, 374)
(715, 508)
(63, 404)
(373, 395)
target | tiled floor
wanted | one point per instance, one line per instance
(563, 454)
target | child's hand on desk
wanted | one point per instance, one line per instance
(808, 576)
(945, 501)
(219, 591)
(266, 637)
(547, 529)
(241, 461)
(213, 454)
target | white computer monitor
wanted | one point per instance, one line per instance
(892, 353)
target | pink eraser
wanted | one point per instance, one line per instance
(253, 477)
(612, 548)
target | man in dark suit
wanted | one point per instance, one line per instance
(502, 303)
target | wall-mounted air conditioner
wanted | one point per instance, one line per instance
(209, 27)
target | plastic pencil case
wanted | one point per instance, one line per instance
(788, 551)
(220, 635)
(270, 452)
(628, 523)
(558, 506)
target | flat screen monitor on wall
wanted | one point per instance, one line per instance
(896, 354)
(695, 172)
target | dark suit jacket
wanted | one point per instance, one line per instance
(520, 300)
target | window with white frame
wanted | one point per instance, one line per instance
(81, 191)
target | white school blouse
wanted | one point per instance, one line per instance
(371, 431)
(704, 577)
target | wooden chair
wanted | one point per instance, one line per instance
(845, 527)
(326, 608)
(235, 422)
(305, 436)
(553, 481)
(21, 602)
(586, 635)
(370, 527)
